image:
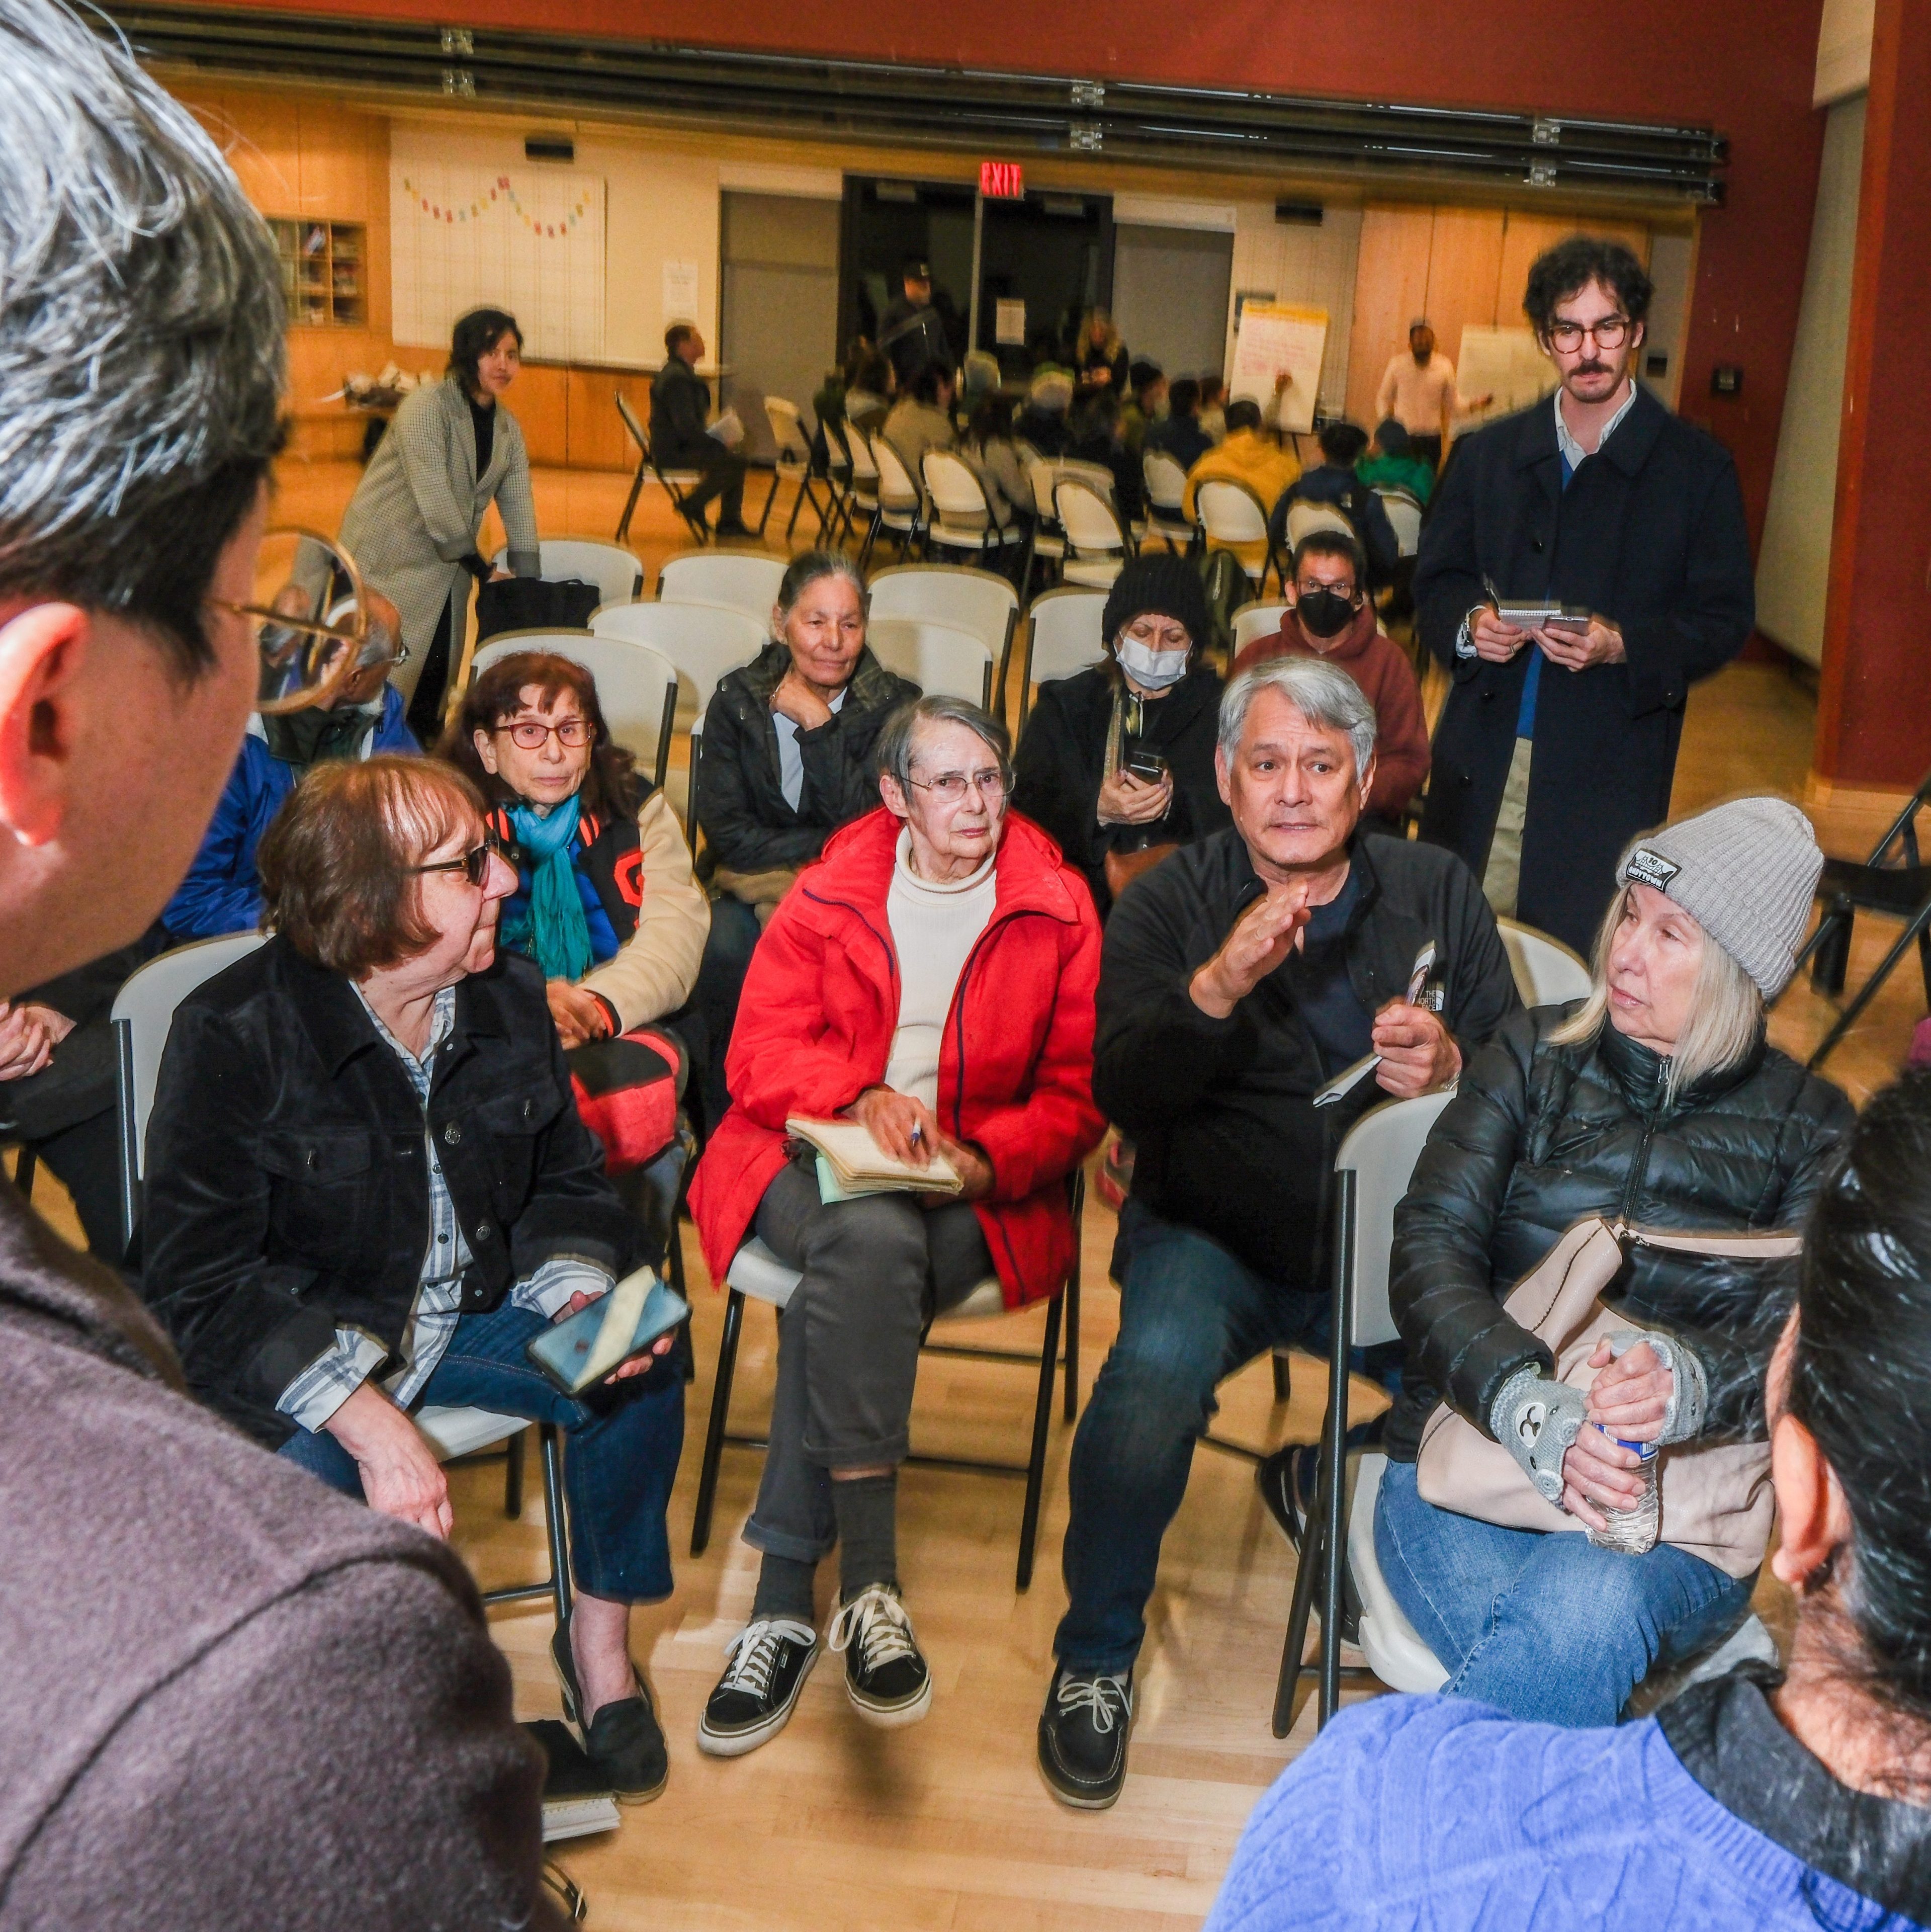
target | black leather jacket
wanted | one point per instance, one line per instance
(286, 1191)
(1539, 1136)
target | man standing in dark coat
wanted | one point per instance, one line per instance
(1558, 743)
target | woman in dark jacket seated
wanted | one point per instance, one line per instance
(1117, 763)
(1747, 1804)
(1656, 1102)
(367, 1189)
(787, 760)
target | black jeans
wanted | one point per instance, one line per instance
(425, 708)
(876, 1271)
(722, 471)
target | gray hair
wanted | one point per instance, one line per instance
(810, 567)
(1323, 693)
(895, 737)
(1726, 1008)
(142, 352)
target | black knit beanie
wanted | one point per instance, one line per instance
(1167, 583)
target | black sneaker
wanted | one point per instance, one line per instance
(1083, 1737)
(769, 1663)
(1286, 1481)
(886, 1677)
(623, 1740)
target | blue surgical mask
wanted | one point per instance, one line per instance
(1152, 670)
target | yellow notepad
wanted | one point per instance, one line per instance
(851, 1163)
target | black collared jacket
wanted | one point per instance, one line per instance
(286, 1191)
(1651, 533)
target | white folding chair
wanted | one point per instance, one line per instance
(901, 503)
(1097, 544)
(142, 1012)
(1063, 638)
(1405, 514)
(973, 601)
(617, 574)
(1547, 973)
(1256, 620)
(943, 661)
(1166, 489)
(637, 686)
(961, 515)
(675, 482)
(703, 640)
(793, 461)
(742, 580)
(1232, 515)
(1305, 517)
(757, 1274)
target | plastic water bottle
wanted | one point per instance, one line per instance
(1634, 1530)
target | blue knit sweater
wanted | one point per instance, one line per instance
(1429, 1814)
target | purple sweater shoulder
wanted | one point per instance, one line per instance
(1434, 1812)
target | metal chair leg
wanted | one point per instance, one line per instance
(513, 1476)
(630, 504)
(1072, 1300)
(714, 1434)
(1283, 1377)
(1042, 1417)
(555, 1516)
(1868, 990)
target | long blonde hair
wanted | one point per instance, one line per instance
(1725, 1009)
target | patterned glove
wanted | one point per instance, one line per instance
(1689, 1386)
(1537, 1420)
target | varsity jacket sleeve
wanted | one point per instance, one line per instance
(653, 972)
(1440, 1289)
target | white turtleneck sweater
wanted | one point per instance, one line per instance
(933, 928)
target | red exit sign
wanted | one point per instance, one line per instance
(1001, 180)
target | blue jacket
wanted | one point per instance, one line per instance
(1335, 484)
(223, 891)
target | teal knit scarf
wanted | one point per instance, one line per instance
(552, 930)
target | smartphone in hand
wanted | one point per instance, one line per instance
(584, 1348)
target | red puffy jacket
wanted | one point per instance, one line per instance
(815, 1029)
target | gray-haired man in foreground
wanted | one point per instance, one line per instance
(229, 1698)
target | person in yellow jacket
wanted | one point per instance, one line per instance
(1249, 454)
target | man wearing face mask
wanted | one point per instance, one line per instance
(1117, 763)
(1328, 617)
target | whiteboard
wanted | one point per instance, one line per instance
(530, 241)
(1272, 336)
(1506, 363)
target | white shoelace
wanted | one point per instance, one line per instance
(1108, 1698)
(877, 1618)
(753, 1656)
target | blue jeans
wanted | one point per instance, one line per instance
(1190, 1314)
(1546, 1626)
(623, 1442)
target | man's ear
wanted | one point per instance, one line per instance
(1220, 775)
(42, 649)
(1813, 1519)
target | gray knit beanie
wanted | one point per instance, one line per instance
(1746, 872)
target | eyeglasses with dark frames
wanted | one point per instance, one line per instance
(1608, 334)
(474, 864)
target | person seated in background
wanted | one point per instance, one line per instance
(680, 437)
(1330, 616)
(223, 891)
(979, 378)
(1100, 360)
(867, 391)
(1238, 977)
(1656, 1101)
(368, 1190)
(58, 1085)
(990, 450)
(1144, 404)
(1042, 422)
(1759, 1801)
(1331, 481)
(1393, 465)
(787, 760)
(1249, 454)
(921, 418)
(605, 902)
(1213, 407)
(1099, 435)
(1117, 763)
(1178, 433)
(933, 979)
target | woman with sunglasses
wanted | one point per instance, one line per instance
(931, 978)
(368, 1189)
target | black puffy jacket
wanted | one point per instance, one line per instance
(1539, 1136)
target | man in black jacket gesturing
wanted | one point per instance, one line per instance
(1601, 500)
(1238, 977)
(680, 437)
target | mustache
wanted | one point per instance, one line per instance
(1591, 369)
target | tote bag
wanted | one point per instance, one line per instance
(1716, 1500)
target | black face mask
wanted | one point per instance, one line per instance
(1324, 614)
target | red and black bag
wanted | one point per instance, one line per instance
(627, 1090)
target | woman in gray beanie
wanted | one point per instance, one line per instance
(1655, 1101)
(1116, 763)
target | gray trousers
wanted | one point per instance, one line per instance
(875, 1271)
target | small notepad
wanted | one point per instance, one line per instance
(852, 1164)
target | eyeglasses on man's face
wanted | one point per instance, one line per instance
(474, 864)
(309, 618)
(531, 734)
(1608, 334)
(948, 787)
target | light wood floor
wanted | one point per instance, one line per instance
(946, 1825)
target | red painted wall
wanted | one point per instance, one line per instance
(1747, 70)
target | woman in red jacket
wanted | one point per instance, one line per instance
(932, 976)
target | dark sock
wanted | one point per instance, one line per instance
(784, 1590)
(866, 1509)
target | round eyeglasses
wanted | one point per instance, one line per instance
(948, 787)
(1608, 334)
(310, 618)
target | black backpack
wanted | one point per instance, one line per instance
(534, 604)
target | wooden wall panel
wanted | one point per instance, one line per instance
(1528, 234)
(1390, 290)
(1465, 264)
(597, 438)
(541, 404)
